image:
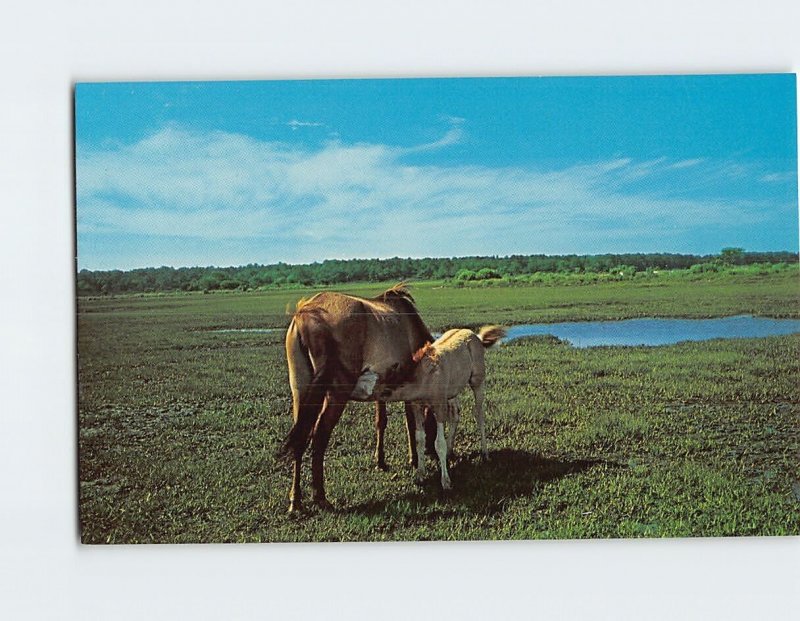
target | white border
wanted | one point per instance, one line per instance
(44, 573)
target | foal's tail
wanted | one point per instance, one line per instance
(309, 334)
(489, 335)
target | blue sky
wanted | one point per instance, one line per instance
(230, 173)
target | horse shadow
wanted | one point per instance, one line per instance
(486, 486)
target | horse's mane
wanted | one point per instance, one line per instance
(403, 303)
(400, 300)
(398, 292)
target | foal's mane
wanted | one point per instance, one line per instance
(426, 351)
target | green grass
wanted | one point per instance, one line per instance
(179, 424)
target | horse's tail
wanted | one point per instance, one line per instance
(489, 335)
(308, 336)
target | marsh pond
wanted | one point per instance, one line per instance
(654, 332)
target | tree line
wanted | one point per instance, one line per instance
(337, 271)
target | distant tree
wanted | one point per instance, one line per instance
(487, 273)
(462, 269)
(465, 275)
(624, 270)
(732, 256)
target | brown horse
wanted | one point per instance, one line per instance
(331, 339)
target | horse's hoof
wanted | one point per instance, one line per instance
(381, 465)
(295, 508)
(485, 456)
(323, 504)
(446, 485)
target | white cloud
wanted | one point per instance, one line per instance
(294, 124)
(453, 136)
(686, 163)
(369, 199)
(779, 177)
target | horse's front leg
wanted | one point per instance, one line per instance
(331, 412)
(380, 429)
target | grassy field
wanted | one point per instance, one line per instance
(179, 424)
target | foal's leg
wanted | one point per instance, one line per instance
(380, 428)
(334, 406)
(411, 426)
(453, 417)
(419, 413)
(479, 418)
(441, 442)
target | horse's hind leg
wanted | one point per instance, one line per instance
(380, 429)
(295, 502)
(332, 411)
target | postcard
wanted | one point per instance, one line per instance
(437, 309)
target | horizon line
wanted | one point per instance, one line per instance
(470, 256)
